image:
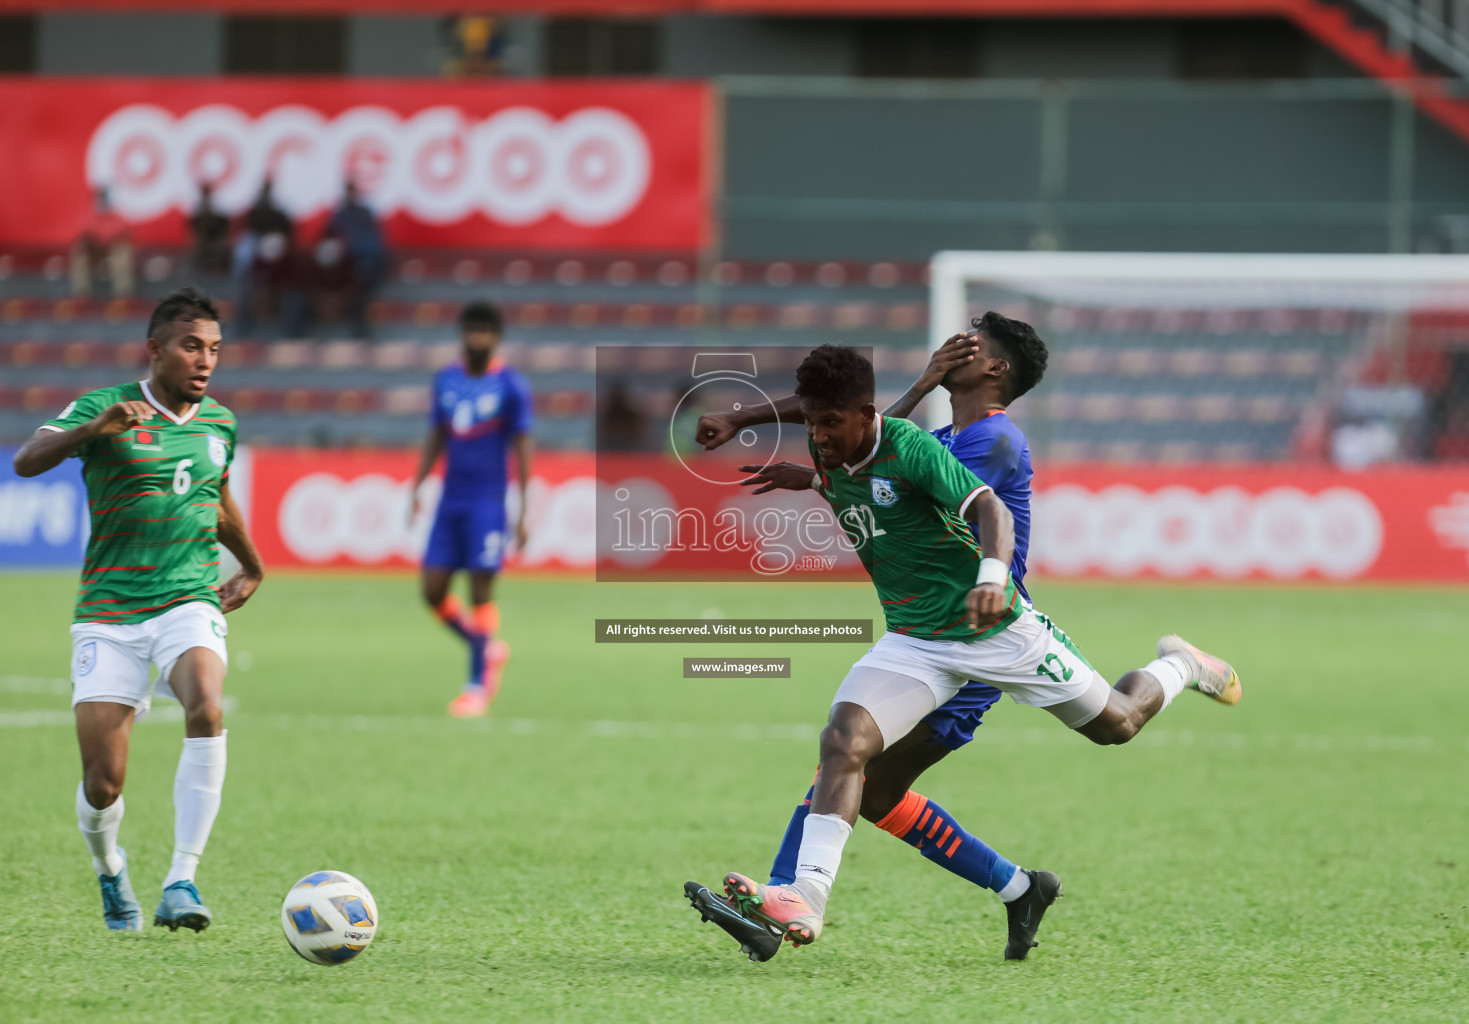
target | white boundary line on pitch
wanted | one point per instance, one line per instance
(993, 736)
(34, 684)
(161, 712)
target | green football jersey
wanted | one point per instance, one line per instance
(900, 506)
(154, 496)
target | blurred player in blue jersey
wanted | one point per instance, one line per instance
(482, 409)
(984, 370)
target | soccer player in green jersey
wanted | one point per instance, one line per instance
(953, 614)
(156, 459)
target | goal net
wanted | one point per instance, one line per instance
(1207, 358)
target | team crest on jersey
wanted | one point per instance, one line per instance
(217, 451)
(86, 657)
(463, 417)
(883, 492)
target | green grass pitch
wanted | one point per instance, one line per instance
(1302, 857)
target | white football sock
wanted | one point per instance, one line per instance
(197, 788)
(822, 839)
(1017, 887)
(99, 829)
(1171, 672)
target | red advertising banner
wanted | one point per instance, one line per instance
(351, 510)
(583, 165)
(1263, 522)
(1266, 523)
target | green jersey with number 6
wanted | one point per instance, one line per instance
(902, 506)
(154, 497)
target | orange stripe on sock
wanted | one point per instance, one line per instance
(924, 820)
(950, 851)
(449, 609)
(899, 821)
(487, 618)
(945, 837)
(937, 821)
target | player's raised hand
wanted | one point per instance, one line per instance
(955, 352)
(714, 429)
(115, 419)
(786, 476)
(986, 604)
(237, 590)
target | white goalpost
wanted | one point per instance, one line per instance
(1207, 356)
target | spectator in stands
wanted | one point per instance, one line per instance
(211, 234)
(104, 241)
(357, 226)
(475, 45)
(332, 272)
(265, 218)
(260, 278)
(280, 285)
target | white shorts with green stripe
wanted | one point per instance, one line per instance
(110, 661)
(1033, 661)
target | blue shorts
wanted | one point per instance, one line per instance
(954, 722)
(469, 536)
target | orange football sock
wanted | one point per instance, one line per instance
(487, 618)
(451, 614)
(904, 816)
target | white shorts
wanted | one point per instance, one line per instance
(109, 661)
(1033, 661)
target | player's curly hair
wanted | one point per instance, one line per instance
(835, 377)
(481, 316)
(1023, 347)
(184, 305)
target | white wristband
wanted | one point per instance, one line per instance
(992, 570)
(816, 481)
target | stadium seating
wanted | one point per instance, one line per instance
(337, 391)
(1172, 385)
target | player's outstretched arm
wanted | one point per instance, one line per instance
(715, 428)
(524, 447)
(957, 351)
(232, 534)
(47, 449)
(987, 600)
(785, 476)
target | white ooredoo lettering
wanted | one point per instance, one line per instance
(1284, 533)
(516, 167)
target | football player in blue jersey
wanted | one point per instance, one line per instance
(984, 370)
(482, 410)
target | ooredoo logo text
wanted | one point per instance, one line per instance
(516, 167)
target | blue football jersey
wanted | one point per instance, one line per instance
(995, 450)
(480, 416)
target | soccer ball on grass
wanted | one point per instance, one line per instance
(329, 917)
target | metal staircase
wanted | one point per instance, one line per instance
(1437, 29)
(1422, 44)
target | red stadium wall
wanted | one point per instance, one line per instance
(558, 165)
(350, 510)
